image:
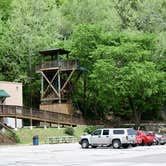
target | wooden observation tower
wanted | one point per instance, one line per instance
(56, 71)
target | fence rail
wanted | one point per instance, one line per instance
(50, 117)
(40, 115)
(6, 132)
(63, 65)
(60, 139)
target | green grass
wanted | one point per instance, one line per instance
(25, 135)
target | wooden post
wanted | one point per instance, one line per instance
(45, 125)
(58, 120)
(42, 85)
(71, 120)
(31, 125)
(59, 86)
(16, 118)
(59, 79)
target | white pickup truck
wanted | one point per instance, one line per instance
(117, 137)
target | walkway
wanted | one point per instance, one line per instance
(40, 115)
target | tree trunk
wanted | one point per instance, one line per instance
(136, 113)
(84, 94)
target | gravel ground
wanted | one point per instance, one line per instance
(73, 155)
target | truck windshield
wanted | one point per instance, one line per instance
(130, 132)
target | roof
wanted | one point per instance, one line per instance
(54, 52)
(82, 68)
(3, 93)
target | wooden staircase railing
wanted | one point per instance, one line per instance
(6, 134)
(40, 115)
(45, 116)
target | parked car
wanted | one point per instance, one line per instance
(145, 139)
(117, 137)
(153, 136)
(161, 139)
(138, 139)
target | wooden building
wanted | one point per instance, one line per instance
(11, 94)
(56, 71)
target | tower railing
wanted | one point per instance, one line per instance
(62, 64)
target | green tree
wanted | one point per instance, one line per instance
(126, 79)
(5, 9)
(76, 12)
(31, 27)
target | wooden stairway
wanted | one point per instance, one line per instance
(7, 135)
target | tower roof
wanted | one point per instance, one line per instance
(54, 52)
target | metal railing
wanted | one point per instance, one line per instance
(60, 139)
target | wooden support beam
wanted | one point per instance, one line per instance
(59, 85)
(15, 118)
(50, 84)
(31, 119)
(42, 86)
(79, 74)
(68, 79)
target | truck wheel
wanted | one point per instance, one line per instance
(157, 142)
(116, 144)
(125, 146)
(85, 144)
(142, 143)
(133, 145)
(149, 144)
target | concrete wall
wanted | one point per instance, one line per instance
(16, 98)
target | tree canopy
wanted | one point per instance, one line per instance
(120, 42)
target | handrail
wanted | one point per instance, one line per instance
(40, 115)
(46, 116)
(62, 64)
(10, 134)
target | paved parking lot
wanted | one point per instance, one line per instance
(73, 155)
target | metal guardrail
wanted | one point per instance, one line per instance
(60, 139)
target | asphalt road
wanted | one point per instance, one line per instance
(73, 155)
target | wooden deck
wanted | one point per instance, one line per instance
(62, 65)
(40, 115)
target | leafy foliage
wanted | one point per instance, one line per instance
(90, 129)
(69, 131)
(121, 43)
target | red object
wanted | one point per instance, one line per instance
(143, 138)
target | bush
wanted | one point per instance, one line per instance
(69, 131)
(17, 139)
(90, 129)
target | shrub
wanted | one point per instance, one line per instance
(69, 131)
(90, 129)
(17, 139)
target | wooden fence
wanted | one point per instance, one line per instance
(40, 115)
(51, 117)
